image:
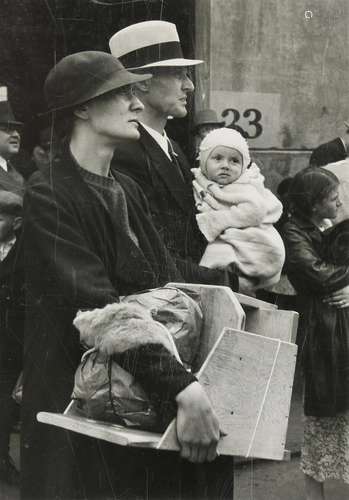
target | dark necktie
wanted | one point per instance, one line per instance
(174, 159)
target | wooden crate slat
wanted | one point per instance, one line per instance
(221, 309)
(278, 324)
(236, 377)
(270, 437)
(106, 431)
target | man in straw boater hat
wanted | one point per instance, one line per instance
(156, 162)
(89, 239)
(10, 140)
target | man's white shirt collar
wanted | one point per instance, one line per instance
(344, 145)
(3, 163)
(161, 139)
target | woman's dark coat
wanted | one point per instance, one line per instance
(325, 329)
(77, 257)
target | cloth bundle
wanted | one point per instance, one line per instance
(104, 390)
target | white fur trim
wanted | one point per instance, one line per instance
(119, 327)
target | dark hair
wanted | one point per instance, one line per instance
(284, 186)
(310, 186)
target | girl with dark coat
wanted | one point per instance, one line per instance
(89, 238)
(321, 278)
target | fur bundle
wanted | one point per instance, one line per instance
(118, 327)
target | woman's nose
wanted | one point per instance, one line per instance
(136, 104)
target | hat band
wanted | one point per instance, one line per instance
(152, 54)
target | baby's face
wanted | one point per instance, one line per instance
(224, 165)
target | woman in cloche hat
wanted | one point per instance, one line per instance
(89, 239)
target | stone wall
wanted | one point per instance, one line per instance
(277, 70)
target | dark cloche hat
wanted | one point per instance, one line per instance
(79, 77)
(6, 114)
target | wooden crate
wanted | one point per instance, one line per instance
(247, 376)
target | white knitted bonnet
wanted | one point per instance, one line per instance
(224, 137)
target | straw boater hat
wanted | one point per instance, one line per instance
(149, 44)
(6, 114)
(83, 76)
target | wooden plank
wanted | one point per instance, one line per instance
(277, 324)
(221, 309)
(247, 301)
(249, 381)
(270, 437)
(106, 431)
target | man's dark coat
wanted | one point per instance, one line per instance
(11, 336)
(11, 180)
(170, 197)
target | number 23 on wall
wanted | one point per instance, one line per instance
(254, 117)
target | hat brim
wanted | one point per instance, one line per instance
(202, 124)
(169, 63)
(117, 80)
(11, 122)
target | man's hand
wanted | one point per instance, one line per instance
(339, 299)
(197, 425)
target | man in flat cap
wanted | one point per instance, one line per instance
(10, 140)
(11, 323)
(332, 151)
(156, 162)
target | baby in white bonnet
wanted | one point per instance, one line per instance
(236, 212)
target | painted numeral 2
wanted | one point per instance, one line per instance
(253, 121)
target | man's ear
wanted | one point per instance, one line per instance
(17, 222)
(81, 111)
(143, 86)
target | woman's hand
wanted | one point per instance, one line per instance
(197, 425)
(338, 299)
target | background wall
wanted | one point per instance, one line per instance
(278, 69)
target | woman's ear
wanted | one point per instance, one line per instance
(81, 111)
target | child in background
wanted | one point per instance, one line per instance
(11, 323)
(317, 265)
(237, 212)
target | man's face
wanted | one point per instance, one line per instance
(168, 91)
(115, 115)
(10, 140)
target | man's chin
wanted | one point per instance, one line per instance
(179, 112)
(13, 150)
